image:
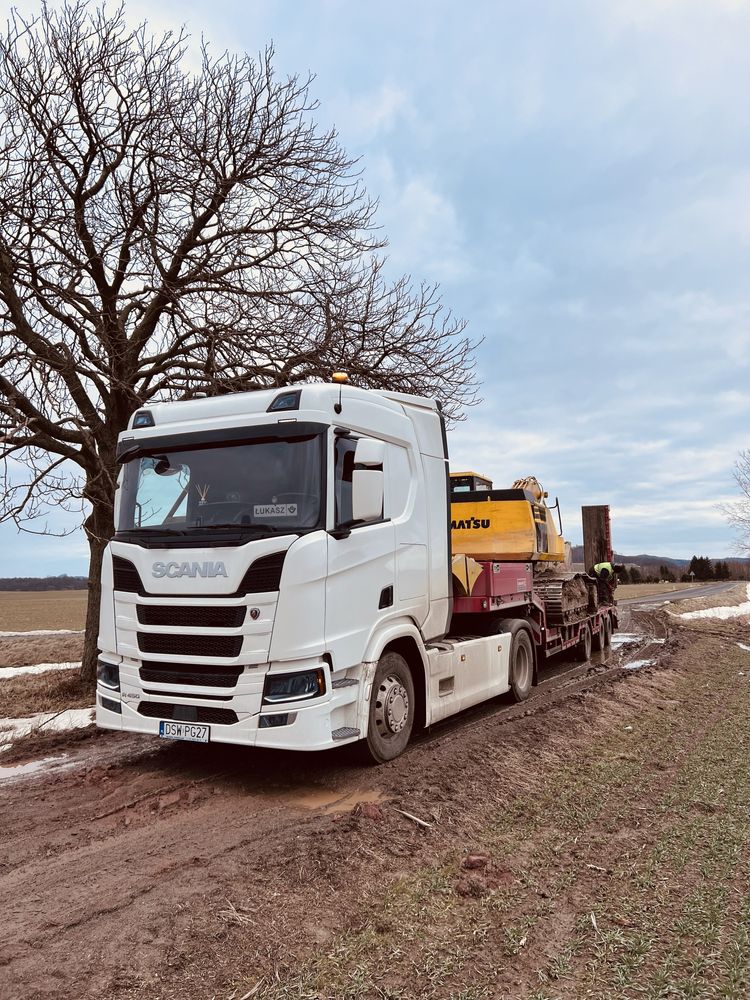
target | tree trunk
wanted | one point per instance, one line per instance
(99, 526)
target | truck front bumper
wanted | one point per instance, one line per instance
(326, 722)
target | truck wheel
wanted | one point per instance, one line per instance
(583, 649)
(521, 666)
(597, 640)
(391, 717)
(607, 632)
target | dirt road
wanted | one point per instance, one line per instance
(134, 869)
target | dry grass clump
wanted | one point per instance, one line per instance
(18, 652)
(50, 692)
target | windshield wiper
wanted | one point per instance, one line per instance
(242, 527)
(152, 530)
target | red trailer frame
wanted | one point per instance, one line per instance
(506, 590)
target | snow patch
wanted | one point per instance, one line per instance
(737, 611)
(42, 631)
(637, 664)
(37, 668)
(621, 638)
(46, 722)
(743, 646)
(12, 772)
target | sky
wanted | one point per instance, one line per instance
(576, 176)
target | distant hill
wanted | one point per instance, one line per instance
(640, 560)
(62, 582)
(646, 560)
(739, 566)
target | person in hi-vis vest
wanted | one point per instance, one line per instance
(606, 580)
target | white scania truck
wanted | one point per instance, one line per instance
(281, 576)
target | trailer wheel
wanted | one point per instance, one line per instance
(391, 717)
(598, 638)
(583, 649)
(521, 665)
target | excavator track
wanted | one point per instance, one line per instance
(566, 597)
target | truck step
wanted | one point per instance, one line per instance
(345, 733)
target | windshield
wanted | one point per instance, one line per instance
(263, 485)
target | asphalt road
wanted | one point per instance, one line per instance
(680, 595)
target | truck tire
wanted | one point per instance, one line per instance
(597, 644)
(583, 649)
(391, 716)
(521, 665)
(607, 632)
(598, 639)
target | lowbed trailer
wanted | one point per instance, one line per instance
(506, 592)
(281, 576)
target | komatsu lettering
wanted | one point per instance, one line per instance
(471, 522)
(191, 569)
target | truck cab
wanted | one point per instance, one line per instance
(273, 549)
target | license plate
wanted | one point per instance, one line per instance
(184, 731)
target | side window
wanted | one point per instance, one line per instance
(344, 468)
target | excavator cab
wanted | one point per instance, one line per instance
(468, 482)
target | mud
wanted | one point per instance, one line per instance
(134, 868)
(12, 772)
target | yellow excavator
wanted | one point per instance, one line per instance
(515, 526)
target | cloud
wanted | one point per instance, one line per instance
(431, 242)
(367, 117)
(697, 513)
(576, 175)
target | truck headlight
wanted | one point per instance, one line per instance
(294, 687)
(108, 675)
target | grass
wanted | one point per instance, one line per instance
(49, 692)
(630, 871)
(21, 652)
(25, 610)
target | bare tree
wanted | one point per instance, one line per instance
(738, 514)
(164, 233)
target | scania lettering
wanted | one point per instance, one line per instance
(293, 569)
(174, 569)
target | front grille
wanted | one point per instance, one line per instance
(189, 645)
(198, 617)
(188, 713)
(210, 674)
(263, 575)
(126, 576)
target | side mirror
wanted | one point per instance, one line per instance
(367, 480)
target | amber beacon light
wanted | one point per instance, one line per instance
(340, 377)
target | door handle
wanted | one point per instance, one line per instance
(386, 598)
